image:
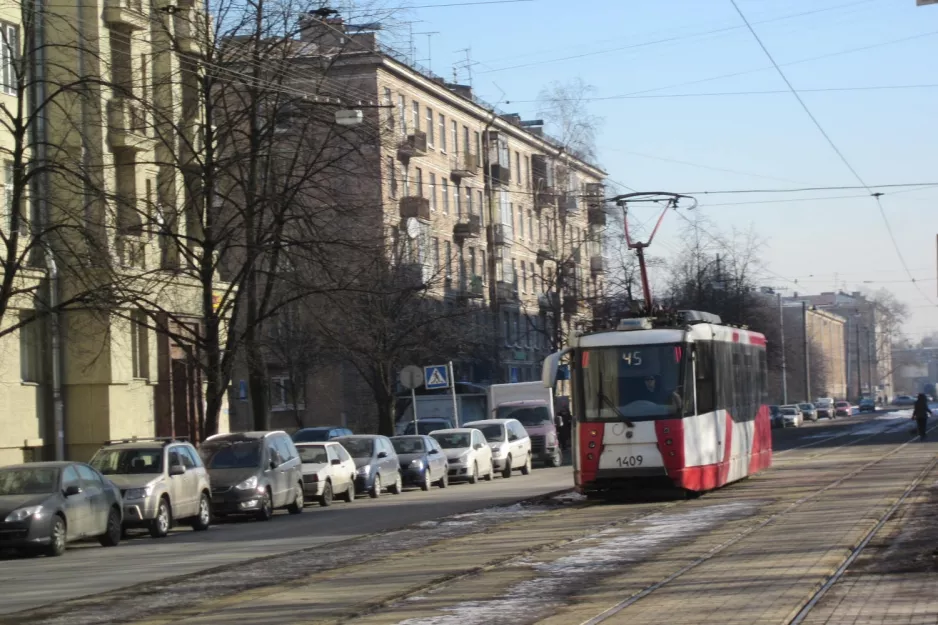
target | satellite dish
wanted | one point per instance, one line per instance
(413, 228)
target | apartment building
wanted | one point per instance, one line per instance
(509, 220)
(117, 194)
(826, 335)
(867, 341)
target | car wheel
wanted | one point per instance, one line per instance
(444, 481)
(398, 487)
(57, 537)
(426, 480)
(267, 507)
(349, 495)
(204, 518)
(112, 532)
(325, 500)
(506, 472)
(526, 469)
(297, 506)
(491, 474)
(375, 491)
(160, 526)
(474, 477)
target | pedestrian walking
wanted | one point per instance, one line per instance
(921, 413)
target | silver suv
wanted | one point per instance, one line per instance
(161, 481)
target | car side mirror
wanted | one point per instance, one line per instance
(71, 491)
(432, 451)
(477, 446)
(336, 461)
(273, 464)
(177, 469)
(382, 454)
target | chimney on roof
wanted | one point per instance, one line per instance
(512, 118)
(324, 30)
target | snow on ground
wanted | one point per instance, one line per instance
(609, 551)
(878, 425)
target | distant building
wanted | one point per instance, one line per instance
(868, 341)
(826, 336)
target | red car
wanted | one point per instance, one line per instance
(843, 409)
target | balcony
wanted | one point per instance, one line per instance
(172, 5)
(465, 165)
(569, 203)
(597, 265)
(596, 215)
(545, 198)
(571, 304)
(501, 234)
(416, 207)
(410, 276)
(548, 301)
(127, 125)
(500, 174)
(470, 226)
(545, 254)
(126, 14)
(506, 292)
(414, 144)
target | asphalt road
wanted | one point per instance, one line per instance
(87, 568)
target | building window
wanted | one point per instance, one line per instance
(472, 262)
(416, 106)
(139, 345)
(402, 112)
(527, 168)
(436, 256)
(524, 278)
(392, 175)
(481, 205)
(465, 137)
(483, 265)
(531, 225)
(388, 102)
(514, 272)
(442, 121)
(518, 177)
(520, 224)
(478, 139)
(283, 395)
(29, 347)
(469, 201)
(419, 182)
(457, 205)
(9, 34)
(449, 259)
(444, 192)
(432, 190)
(405, 176)
(430, 136)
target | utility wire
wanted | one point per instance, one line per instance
(803, 189)
(833, 146)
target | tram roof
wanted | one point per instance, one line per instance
(662, 336)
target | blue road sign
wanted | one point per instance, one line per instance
(436, 376)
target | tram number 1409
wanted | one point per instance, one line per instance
(629, 461)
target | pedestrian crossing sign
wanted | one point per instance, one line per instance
(436, 376)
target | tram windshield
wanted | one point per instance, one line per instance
(633, 382)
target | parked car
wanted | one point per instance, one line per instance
(808, 411)
(867, 405)
(162, 481)
(538, 423)
(775, 416)
(376, 463)
(319, 434)
(825, 407)
(328, 470)
(467, 452)
(843, 408)
(423, 462)
(425, 426)
(46, 505)
(253, 473)
(903, 400)
(510, 443)
(792, 416)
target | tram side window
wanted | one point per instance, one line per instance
(763, 378)
(706, 384)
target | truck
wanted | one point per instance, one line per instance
(533, 405)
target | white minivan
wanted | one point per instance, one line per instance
(510, 444)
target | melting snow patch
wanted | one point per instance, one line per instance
(531, 599)
(571, 497)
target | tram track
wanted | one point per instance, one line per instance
(650, 589)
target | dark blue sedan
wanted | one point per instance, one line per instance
(423, 462)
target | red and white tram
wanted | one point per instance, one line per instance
(680, 401)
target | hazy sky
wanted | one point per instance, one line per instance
(677, 48)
